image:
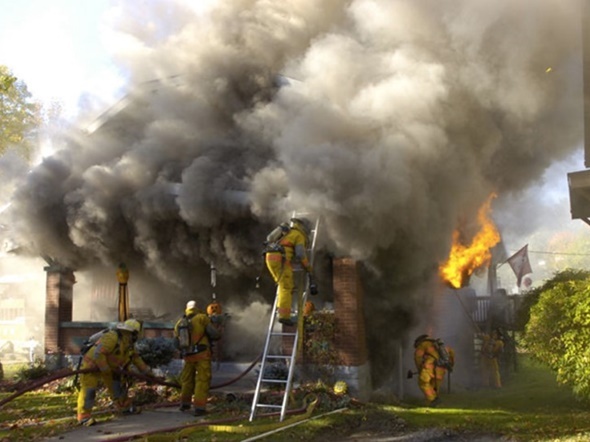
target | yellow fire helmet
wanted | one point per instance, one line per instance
(340, 387)
(132, 325)
(214, 308)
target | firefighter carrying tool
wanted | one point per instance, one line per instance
(286, 257)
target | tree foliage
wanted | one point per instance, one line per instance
(20, 116)
(558, 330)
(531, 297)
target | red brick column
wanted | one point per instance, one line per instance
(351, 341)
(58, 304)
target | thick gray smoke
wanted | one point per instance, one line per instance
(392, 120)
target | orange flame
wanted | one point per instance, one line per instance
(464, 260)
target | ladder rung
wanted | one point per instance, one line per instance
(283, 334)
(269, 405)
(278, 356)
(274, 381)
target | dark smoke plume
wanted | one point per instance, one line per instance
(393, 120)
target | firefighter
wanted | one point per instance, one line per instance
(491, 349)
(430, 373)
(111, 354)
(215, 313)
(293, 250)
(195, 378)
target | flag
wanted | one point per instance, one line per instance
(520, 264)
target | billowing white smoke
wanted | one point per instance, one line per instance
(399, 118)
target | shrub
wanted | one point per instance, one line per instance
(558, 332)
(319, 349)
(156, 351)
(37, 370)
(531, 297)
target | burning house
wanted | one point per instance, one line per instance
(404, 117)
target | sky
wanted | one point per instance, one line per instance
(60, 49)
(394, 134)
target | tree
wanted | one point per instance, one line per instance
(558, 331)
(19, 114)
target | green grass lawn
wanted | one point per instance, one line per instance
(530, 407)
(26, 412)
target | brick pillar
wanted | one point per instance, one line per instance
(348, 307)
(58, 304)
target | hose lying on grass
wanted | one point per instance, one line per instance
(40, 382)
(219, 425)
(151, 379)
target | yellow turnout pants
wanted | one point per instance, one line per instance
(195, 379)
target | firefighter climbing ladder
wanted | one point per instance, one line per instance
(287, 359)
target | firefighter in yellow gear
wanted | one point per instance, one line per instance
(113, 352)
(491, 349)
(430, 375)
(280, 265)
(195, 378)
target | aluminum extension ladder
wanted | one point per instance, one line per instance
(272, 335)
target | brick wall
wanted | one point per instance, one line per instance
(58, 304)
(73, 334)
(348, 306)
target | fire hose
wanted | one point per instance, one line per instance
(217, 425)
(40, 382)
(152, 379)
